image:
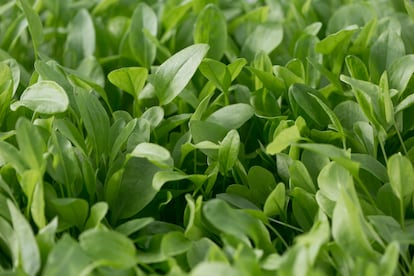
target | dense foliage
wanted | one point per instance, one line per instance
(206, 137)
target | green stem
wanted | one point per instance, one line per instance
(402, 222)
(401, 140)
(278, 235)
(286, 225)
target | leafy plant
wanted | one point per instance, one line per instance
(206, 137)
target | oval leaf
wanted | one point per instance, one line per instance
(45, 97)
(174, 74)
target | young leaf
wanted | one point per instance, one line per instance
(351, 239)
(28, 250)
(72, 211)
(95, 119)
(303, 102)
(136, 179)
(266, 37)
(232, 116)
(304, 207)
(299, 177)
(401, 174)
(45, 97)
(129, 79)
(75, 259)
(154, 153)
(275, 202)
(331, 179)
(243, 225)
(211, 28)
(80, 42)
(96, 214)
(261, 183)
(35, 25)
(154, 115)
(217, 73)
(401, 72)
(142, 48)
(174, 74)
(332, 41)
(31, 144)
(133, 225)
(109, 248)
(228, 151)
(356, 68)
(284, 139)
(162, 177)
(388, 48)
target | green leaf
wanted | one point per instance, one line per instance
(304, 207)
(45, 97)
(332, 41)
(332, 178)
(9, 154)
(143, 49)
(122, 138)
(243, 225)
(342, 157)
(129, 79)
(35, 25)
(10, 69)
(174, 74)
(351, 239)
(154, 115)
(31, 144)
(96, 215)
(228, 151)
(136, 179)
(231, 116)
(265, 104)
(133, 225)
(236, 67)
(64, 168)
(261, 183)
(300, 177)
(409, 6)
(72, 211)
(211, 28)
(401, 72)
(270, 81)
(162, 177)
(284, 139)
(80, 42)
(275, 202)
(154, 153)
(28, 250)
(214, 268)
(66, 258)
(217, 73)
(265, 37)
(303, 101)
(388, 48)
(174, 243)
(356, 68)
(389, 261)
(401, 174)
(95, 119)
(109, 248)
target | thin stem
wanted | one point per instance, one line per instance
(286, 225)
(384, 154)
(402, 222)
(401, 140)
(278, 235)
